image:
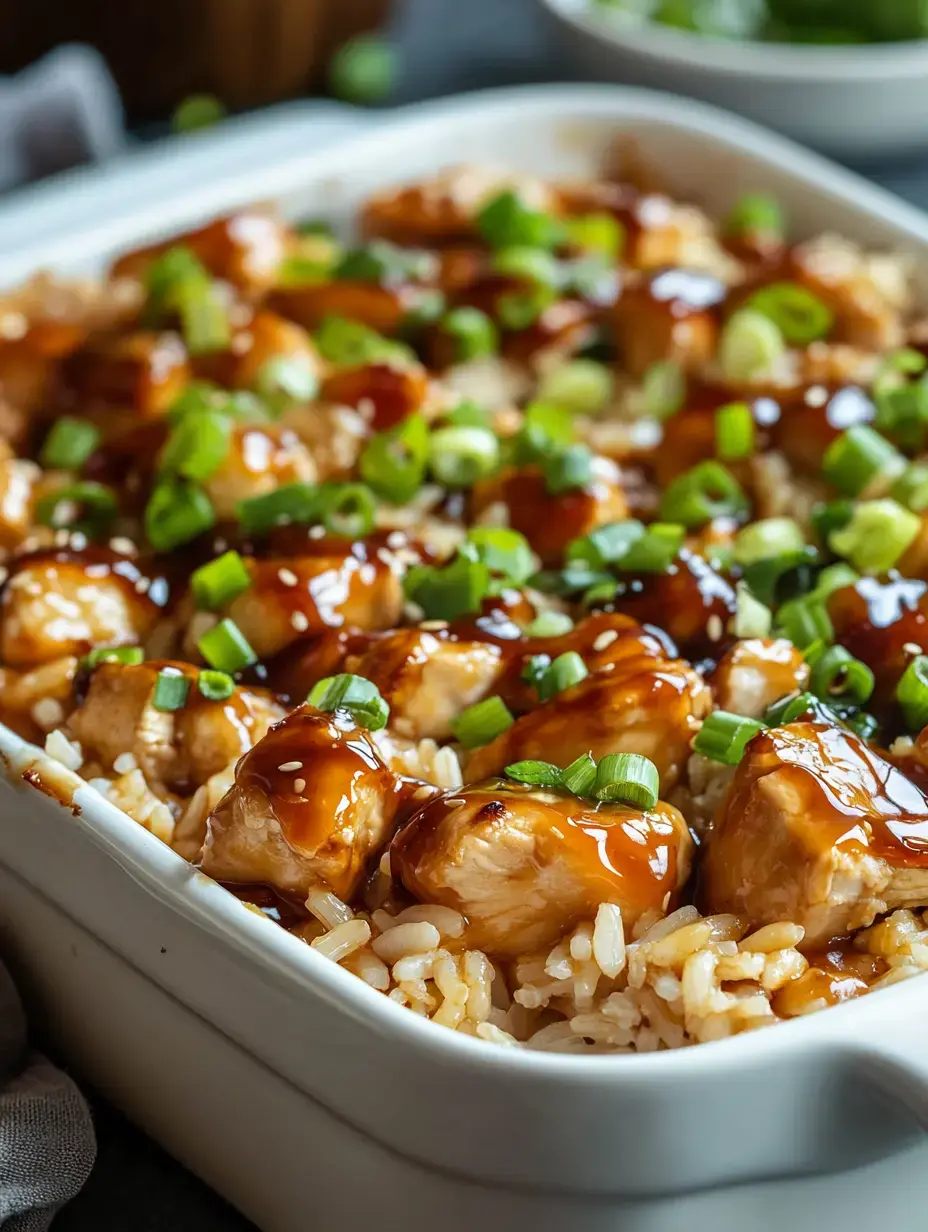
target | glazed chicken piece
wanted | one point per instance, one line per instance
(115, 378)
(811, 418)
(312, 802)
(385, 394)
(176, 750)
(550, 521)
(384, 309)
(307, 585)
(65, 602)
(266, 337)
(884, 624)
(18, 480)
(524, 865)
(640, 704)
(261, 458)
(670, 315)
(756, 672)
(817, 829)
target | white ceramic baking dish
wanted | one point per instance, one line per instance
(811, 1096)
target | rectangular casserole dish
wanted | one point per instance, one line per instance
(816, 1095)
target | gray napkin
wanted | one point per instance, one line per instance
(47, 1144)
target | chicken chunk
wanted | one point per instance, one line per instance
(883, 624)
(817, 829)
(756, 672)
(525, 865)
(260, 459)
(641, 704)
(385, 394)
(266, 337)
(65, 602)
(669, 316)
(18, 479)
(312, 802)
(119, 377)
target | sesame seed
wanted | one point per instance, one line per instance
(605, 639)
(433, 626)
(300, 621)
(816, 396)
(290, 765)
(47, 713)
(714, 627)
(288, 577)
(912, 648)
(317, 532)
(299, 786)
(123, 545)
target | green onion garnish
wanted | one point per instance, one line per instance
(568, 470)
(286, 380)
(755, 214)
(175, 267)
(385, 263)
(479, 724)
(197, 446)
(363, 70)
(171, 689)
(468, 414)
(176, 513)
(576, 575)
(835, 577)
(393, 463)
(506, 221)
(347, 344)
(724, 736)
(752, 618)
(581, 386)
(800, 316)
(877, 535)
(69, 444)
(580, 776)
(549, 624)
(445, 592)
(225, 647)
(792, 707)
(215, 686)
(902, 413)
(506, 553)
(734, 432)
(831, 516)
(837, 675)
(128, 656)
(861, 461)
(706, 492)
(460, 456)
(607, 544)
(293, 503)
(347, 509)
(535, 266)
(359, 696)
(767, 538)
(472, 331)
(805, 622)
(663, 390)
(218, 582)
(549, 678)
(82, 506)
(535, 774)
(912, 693)
(596, 232)
(911, 488)
(766, 576)
(627, 778)
(546, 429)
(655, 551)
(750, 346)
(519, 310)
(197, 111)
(204, 316)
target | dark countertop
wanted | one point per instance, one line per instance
(446, 46)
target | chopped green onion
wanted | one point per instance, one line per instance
(546, 429)
(460, 456)
(215, 686)
(204, 316)
(606, 544)
(426, 307)
(792, 707)
(592, 277)
(911, 488)
(506, 553)
(575, 576)
(831, 516)
(567, 670)
(506, 221)
(176, 513)
(752, 618)
(532, 265)
(468, 414)
(549, 624)
(655, 551)
(569, 470)
(596, 232)
(800, 316)
(860, 461)
(766, 538)
(837, 674)
(766, 576)
(69, 444)
(473, 332)
(755, 214)
(226, 648)
(445, 592)
(663, 390)
(286, 380)
(627, 778)
(347, 509)
(892, 371)
(386, 263)
(600, 594)
(219, 582)
(749, 347)
(293, 503)
(348, 344)
(535, 774)
(877, 535)
(912, 693)
(393, 463)
(197, 111)
(581, 386)
(835, 577)
(363, 70)
(128, 656)
(197, 446)
(479, 724)
(519, 310)
(734, 432)
(580, 775)
(805, 621)
(356, 694)
(706, 492)
(175, 267)
(171, 689)
(724, 736)
(902, 412)
(82, 506)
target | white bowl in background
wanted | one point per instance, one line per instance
(855, 101)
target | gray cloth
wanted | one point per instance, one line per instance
(47, 1144)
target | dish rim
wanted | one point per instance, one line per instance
(174, 882)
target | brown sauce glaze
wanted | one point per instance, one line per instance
(883, 623)
(388, 394)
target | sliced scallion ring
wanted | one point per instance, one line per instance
(481, 723)
(912, 693)
(535, 774)
(627, 778)
(226, 648)
(724, 736)
(171, 689)
(356, 694)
